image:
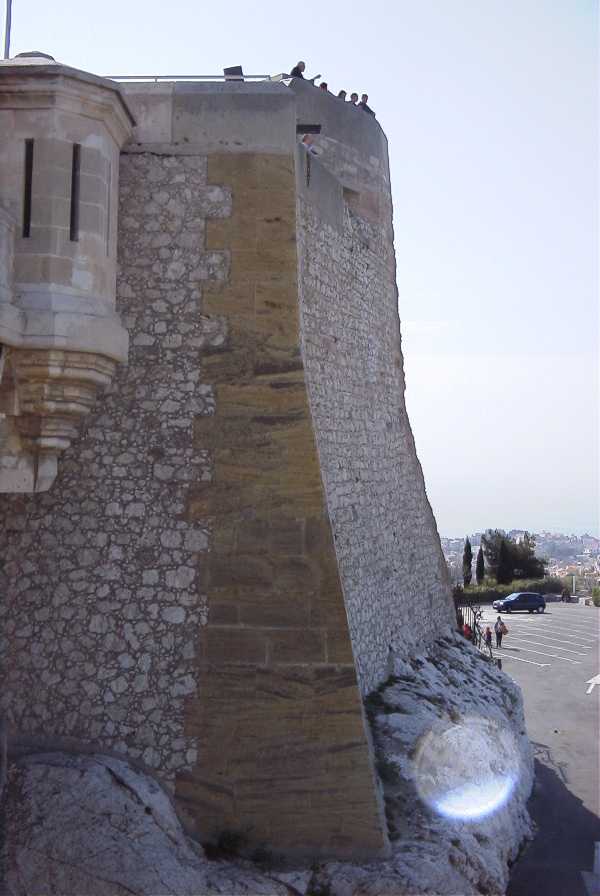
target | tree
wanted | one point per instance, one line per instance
(525, 564)
(519, 558)
(491, 542)
(480, 566)
(467, 563)
(504, 570)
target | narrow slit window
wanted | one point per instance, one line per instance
(108, 187)
(27, 185)
(75, 169)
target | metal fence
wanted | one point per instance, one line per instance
(227, 78)
(469, 612)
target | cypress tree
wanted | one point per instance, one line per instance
(504, 575)
(480, 566)
(467, 562)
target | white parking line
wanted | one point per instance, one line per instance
(537, 634)
(504, 656)
(538, 644)
(541, 652)
(584, 635)
(591, 630)
(591, 639)
(574, 623)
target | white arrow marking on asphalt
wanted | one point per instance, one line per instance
(592, 682)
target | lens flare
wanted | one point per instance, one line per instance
(467, 770)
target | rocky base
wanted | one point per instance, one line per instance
(457, 770)
(445, 725)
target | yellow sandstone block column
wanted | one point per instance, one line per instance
(284, 756)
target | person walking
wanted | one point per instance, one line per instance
(500, 630)
(488, 637)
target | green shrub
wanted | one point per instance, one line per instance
(262, 856)
(596, 591)
(231, 842)
(374, 703)
(596, 599)
(487, 592)
(319, 889)
(387, 770)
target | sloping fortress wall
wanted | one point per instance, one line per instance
(241, 532)
(390, 559)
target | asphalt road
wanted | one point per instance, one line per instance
(553, 656)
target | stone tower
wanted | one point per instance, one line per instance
(241, 534)
(61, 340)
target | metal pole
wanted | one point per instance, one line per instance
(7, 29)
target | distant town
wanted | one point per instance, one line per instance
(567, 555)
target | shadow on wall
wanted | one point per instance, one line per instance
(564, 844)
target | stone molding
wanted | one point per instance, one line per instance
(56, 86)
(44, 393)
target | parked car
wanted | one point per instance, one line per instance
(521, 600)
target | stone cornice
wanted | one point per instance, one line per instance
(60, 87)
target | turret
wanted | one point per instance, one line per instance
(60, 338)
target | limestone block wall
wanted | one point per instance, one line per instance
(391, 564)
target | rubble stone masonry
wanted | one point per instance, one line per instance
(101, 576)
(390, 558)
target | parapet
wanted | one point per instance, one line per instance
(223, 117)
(357, 145)
(264, 116)
(60, 337)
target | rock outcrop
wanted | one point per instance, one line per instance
(457, 770)
(93, 826)
(452, 754)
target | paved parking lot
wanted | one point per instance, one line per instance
(565, 633)
(554, 656)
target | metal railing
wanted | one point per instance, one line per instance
(157, 78)
(469, 612)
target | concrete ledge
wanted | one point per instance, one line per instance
(227, 117)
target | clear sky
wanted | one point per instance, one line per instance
(490, 107)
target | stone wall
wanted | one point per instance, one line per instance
(243, 526)
(184, 606)
(284, 756)
(101, 577)
(389, 553)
